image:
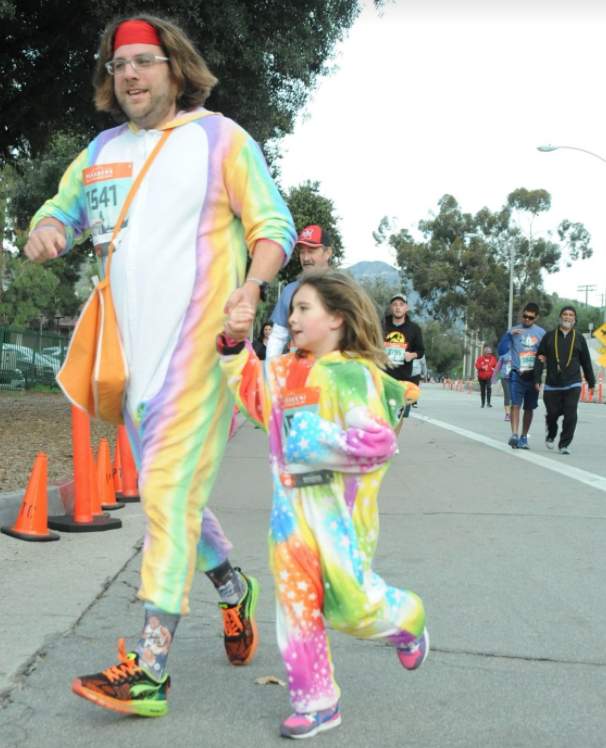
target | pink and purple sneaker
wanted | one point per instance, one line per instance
(413, 657)
(306, 725)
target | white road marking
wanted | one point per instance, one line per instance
(583, 476)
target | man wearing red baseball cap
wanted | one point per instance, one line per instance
(315, 250)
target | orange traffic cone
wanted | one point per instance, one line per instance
(32, 521)
(87, 515)
(105, 479)
(130, 490)
(95, 499)
(117, 467)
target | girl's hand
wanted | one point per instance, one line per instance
(240, 321)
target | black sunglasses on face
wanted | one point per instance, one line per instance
(529, 316)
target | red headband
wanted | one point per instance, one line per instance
(136, 32)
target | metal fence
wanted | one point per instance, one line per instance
(29, 358)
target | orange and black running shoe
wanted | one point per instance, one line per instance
(126, 687)
(239, 628)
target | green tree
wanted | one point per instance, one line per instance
(534, 254)
(268, 56)
(460, 267)
(585, 315)
(31, 182)
(380, 292)
(443, 347)
(308, 206)
(31, 292)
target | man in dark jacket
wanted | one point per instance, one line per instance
(403, 341)
(565, 353)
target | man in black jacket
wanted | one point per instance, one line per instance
(403, 341)
(565, 352)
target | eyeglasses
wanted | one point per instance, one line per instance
(138, 62)
(529, 316)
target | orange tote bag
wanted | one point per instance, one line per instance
(95, 373)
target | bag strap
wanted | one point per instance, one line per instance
(131, 194)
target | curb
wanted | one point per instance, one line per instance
(60, 500)
(60, 495)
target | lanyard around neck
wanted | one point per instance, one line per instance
(574, 335)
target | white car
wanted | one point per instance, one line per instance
(32, 364)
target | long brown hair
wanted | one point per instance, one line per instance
(341, 295)
(188, 70)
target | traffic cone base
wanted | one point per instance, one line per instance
(29, 536)
(127, 499)
(111, 507)
(31, 523)
(67, 523)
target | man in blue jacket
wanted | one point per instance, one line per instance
(522, 342)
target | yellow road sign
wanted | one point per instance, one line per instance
(602, 360)
(600, 333)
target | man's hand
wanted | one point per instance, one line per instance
(240, 321)
(408, 356)
(45, 243)
(248, 293)
(516, 331)
(537, 387)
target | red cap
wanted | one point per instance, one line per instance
(136, 32)
(314, 236)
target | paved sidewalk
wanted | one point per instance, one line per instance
(507, 555)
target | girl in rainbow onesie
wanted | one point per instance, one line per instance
(330, 412)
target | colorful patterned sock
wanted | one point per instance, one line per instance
(156, 638)
(228, 583)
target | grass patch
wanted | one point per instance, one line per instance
(45, 388)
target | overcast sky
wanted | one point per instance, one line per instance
(454, 96)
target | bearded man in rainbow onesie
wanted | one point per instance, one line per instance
(179, 264)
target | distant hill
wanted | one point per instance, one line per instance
(373, 270)
(376, 269)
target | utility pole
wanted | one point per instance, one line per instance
(587, 289)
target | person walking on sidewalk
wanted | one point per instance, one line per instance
(419, 373)
(504, 367)
(403, 343)
(180, 260)
(315, 251)
(330, 411)
(522, 342)
(564, 353)
(485, 366)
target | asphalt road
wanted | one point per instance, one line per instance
(506, 549)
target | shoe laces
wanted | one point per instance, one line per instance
(127, 667)
(232, 623)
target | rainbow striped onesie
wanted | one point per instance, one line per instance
(207, 197)
(330, 424)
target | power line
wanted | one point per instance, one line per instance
(587, 289)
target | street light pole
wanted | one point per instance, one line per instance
(549, 148)
(510, 311)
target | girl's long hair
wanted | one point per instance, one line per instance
(189, 71)
(341, 295)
